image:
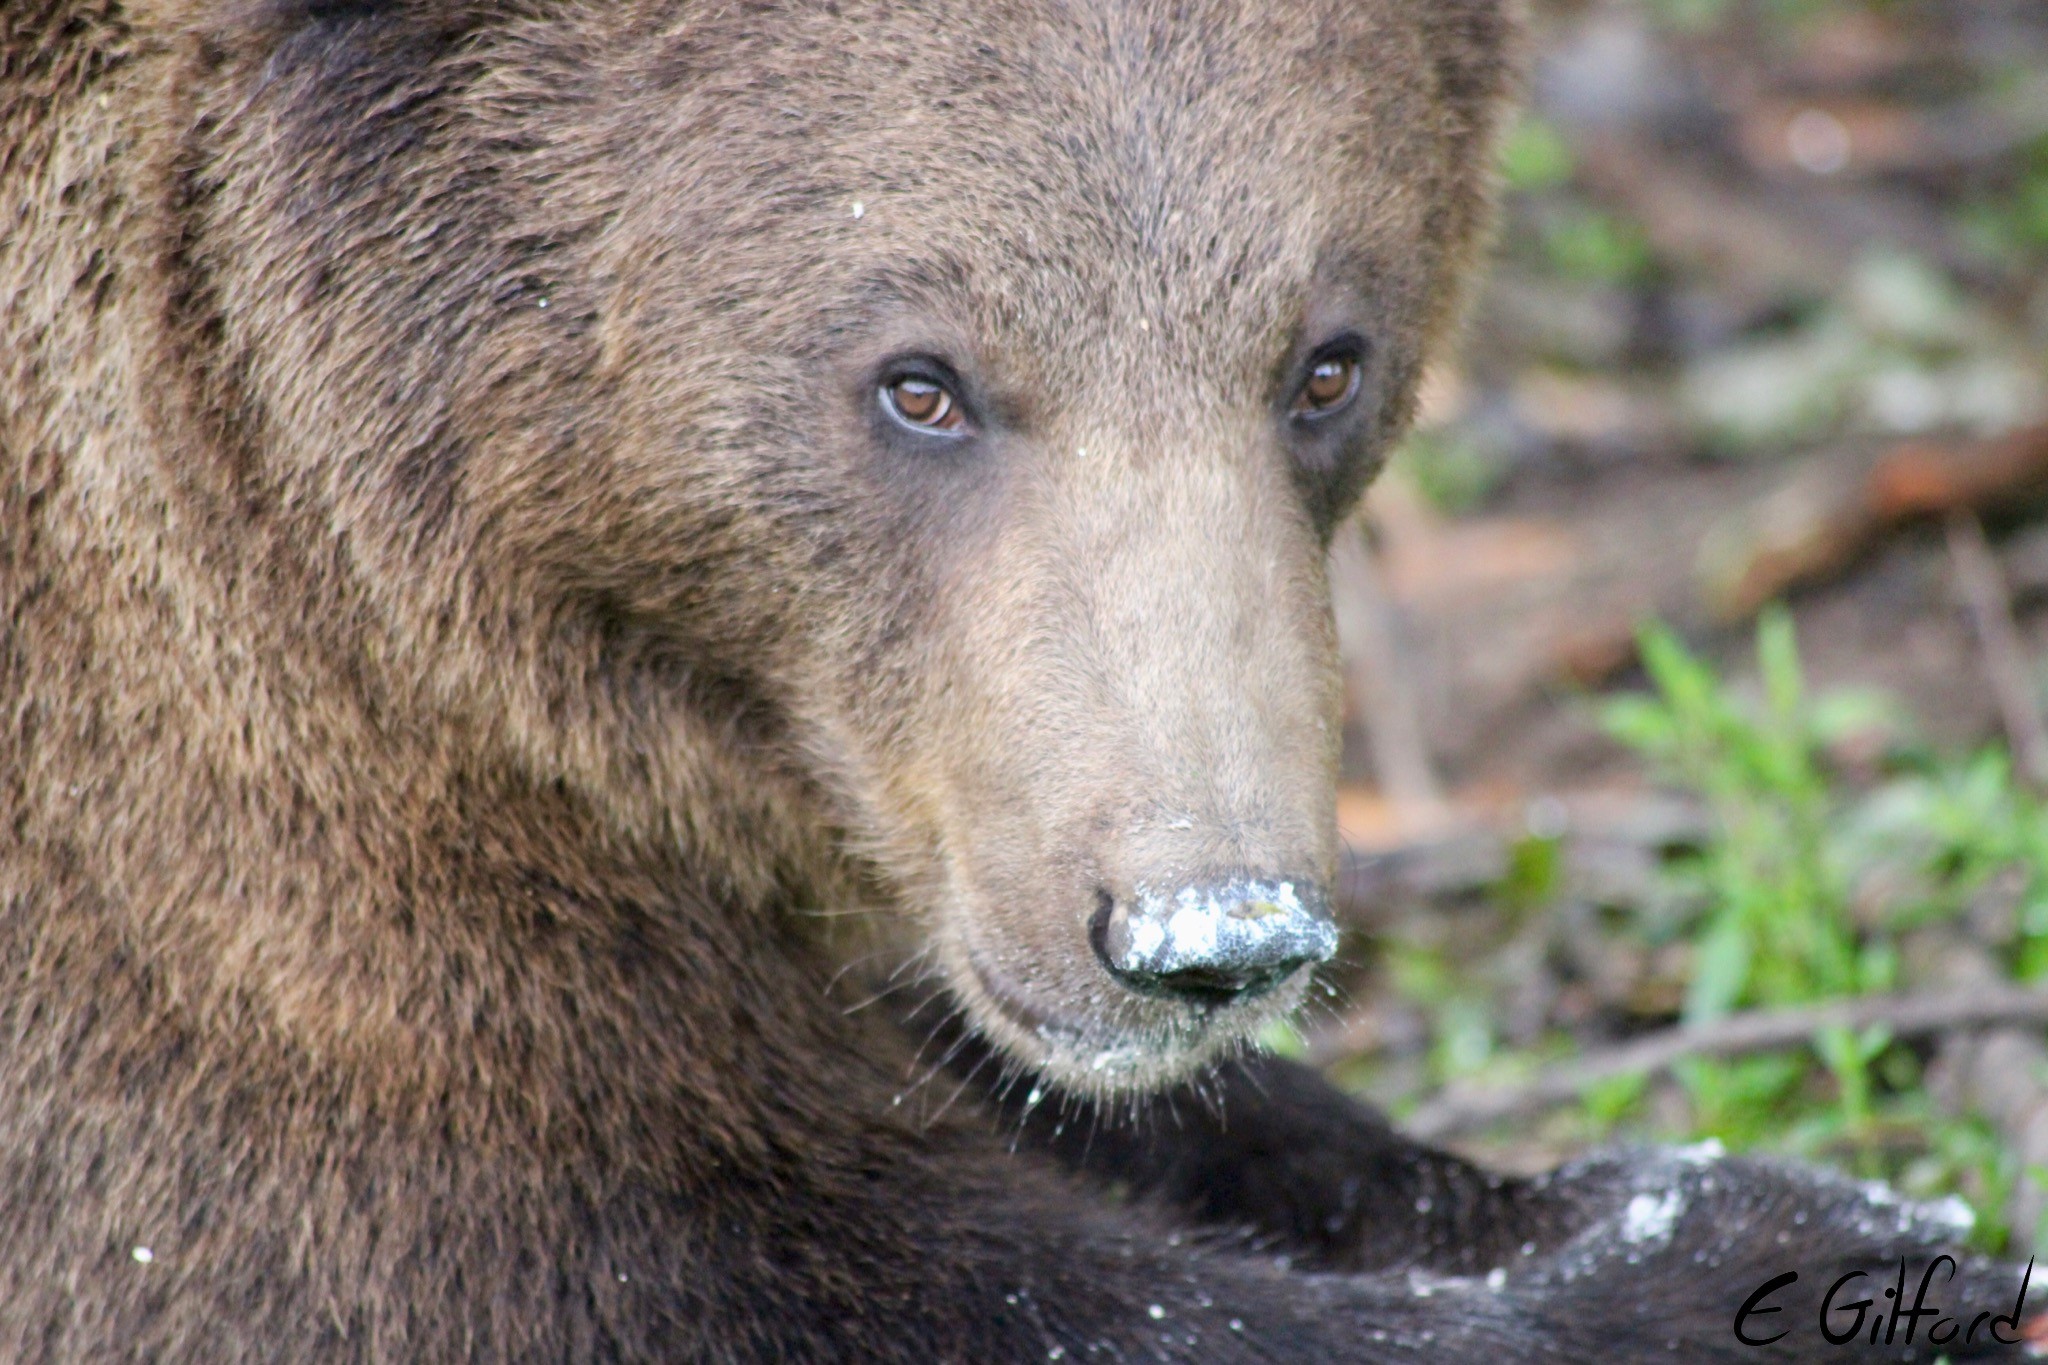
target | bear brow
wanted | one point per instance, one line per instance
(936, 287)
(916, 281)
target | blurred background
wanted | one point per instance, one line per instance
(1694, 759)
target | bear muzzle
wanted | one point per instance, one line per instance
(1213, 942)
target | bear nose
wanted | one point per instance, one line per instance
(1213, 942)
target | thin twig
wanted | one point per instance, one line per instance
(2000, 1075)
(1463, 1108)
(1983, 591)
(1378, 676)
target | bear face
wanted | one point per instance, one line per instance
(976, 509)
(1077, 659)
(503, 507)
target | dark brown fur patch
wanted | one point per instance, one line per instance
(463, 626)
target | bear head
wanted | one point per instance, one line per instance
(890, 451)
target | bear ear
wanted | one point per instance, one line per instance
(1478, 50)
(1476, 36)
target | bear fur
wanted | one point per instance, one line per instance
(481, 677)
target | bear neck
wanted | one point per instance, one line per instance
(219, 808)
(249, 810)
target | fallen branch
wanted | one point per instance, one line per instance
(1751, 248)
(1460, 1109)
(1377, 675)
(1830, 511)
(1761, 242)
(2000, 1075)
(1982, 588)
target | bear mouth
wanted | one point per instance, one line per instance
(1167, 1042)
(1014, 1002)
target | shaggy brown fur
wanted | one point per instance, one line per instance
(467, 619)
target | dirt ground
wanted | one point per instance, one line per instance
(1768, 323)
(1753, 251)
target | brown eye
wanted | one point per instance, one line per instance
(924, 404)
(1330, 385)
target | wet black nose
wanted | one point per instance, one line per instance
(1215, 941)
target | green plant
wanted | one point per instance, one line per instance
(1699, 15)
(1786, 916)
(1777, 929)
(1535, 156)
(1690, 15)
(2010, 224)
(1811, 875)
(1449, 470)
(1584, 243)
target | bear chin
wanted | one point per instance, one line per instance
(1141, 1046)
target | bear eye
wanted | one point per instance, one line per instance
(923, 404)
(1332, 382)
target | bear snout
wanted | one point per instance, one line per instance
(1213, 942)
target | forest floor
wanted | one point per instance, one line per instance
(1695, 759)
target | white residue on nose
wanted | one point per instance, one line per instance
(1191, 933)
(1146, 937)
(1192, 926)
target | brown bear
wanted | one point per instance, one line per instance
(537, 535)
